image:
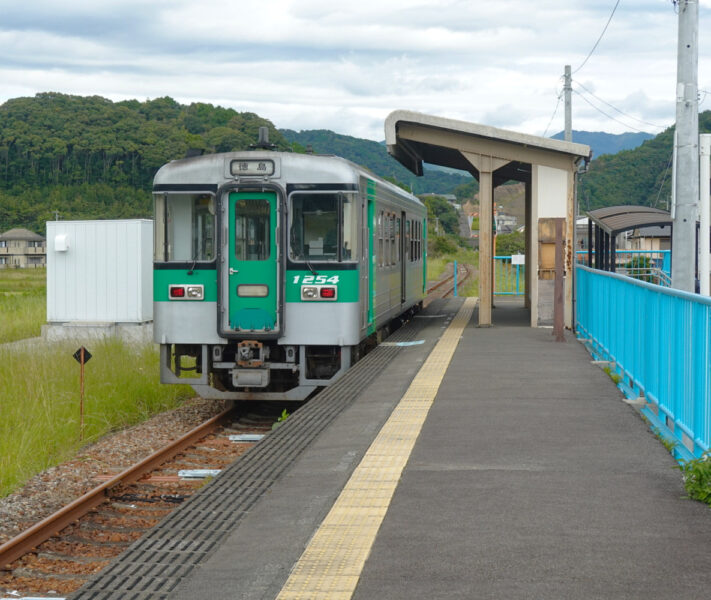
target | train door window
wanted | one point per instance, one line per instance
(397, 241)
(252, 229)
(184, 228)
(381, 235)
(393, 250)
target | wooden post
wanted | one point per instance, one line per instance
(558, 304)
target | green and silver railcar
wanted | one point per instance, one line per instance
(273, 270)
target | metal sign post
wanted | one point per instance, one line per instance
(82, 356)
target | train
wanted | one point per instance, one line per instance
(275, 271)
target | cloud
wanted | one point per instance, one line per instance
(312, 63)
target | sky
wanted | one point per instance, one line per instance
(324, 64)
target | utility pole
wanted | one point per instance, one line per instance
(705, 215)
(686, 202)
(568, 89)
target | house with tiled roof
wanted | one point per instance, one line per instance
(21, 248)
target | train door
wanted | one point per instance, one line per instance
(403, 259)
(364, 262)
(253, 263)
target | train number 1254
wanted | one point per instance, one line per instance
(315, 279)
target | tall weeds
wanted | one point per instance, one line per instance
(39, 401)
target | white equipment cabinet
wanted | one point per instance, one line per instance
(100, 272)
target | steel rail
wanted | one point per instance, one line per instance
(46, 528)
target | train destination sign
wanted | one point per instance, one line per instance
(245, 168)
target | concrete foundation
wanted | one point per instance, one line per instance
(130, 333)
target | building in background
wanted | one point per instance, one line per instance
(21, 248)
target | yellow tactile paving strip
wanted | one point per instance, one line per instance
(332, 562)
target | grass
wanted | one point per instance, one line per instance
(39, 402)
(23, 305)
(436, 265)
(697, 478)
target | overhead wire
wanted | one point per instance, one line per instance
(618, 110)
(664, 179)
(555, 110)
(602, 112)
(598, 39)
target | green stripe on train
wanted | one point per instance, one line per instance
(163, 278)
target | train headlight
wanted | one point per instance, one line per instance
(195, 292)
(309, 292)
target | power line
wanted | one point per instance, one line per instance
(555, 110)
(618, 110)
(598, 39)
(602, 112)
(661, 185)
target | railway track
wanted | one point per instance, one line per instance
(57, 555)
(445, 286)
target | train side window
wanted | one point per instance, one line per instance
(184, 228)
(252, 229)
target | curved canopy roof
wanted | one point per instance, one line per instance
(413, 138)
(616, 219)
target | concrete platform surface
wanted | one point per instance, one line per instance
(530, 479)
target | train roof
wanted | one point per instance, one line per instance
(215, 170)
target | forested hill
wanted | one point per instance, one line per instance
(59, 139)
(601, 142)
(374, 156)
(89, 157)
(639, 176)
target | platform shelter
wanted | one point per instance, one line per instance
(495, 156)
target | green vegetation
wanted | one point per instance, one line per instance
(436, 265)
(510, 243)
(640, 176)
(697, 478)
(40, 401)
(667, 442)
(467, 191)
(374, 156)
(23, 306)
(441, 211)
(616, 377)
(88, 157)
(505, 278)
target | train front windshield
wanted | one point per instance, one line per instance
(324, 227)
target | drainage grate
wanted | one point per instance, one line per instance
(154, 565)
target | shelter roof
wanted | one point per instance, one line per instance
(413, 137)
(616, 219)
(24, 235)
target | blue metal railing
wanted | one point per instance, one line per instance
(659, 341)
(509, 279)
(653, 266)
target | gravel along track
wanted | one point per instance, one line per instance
(63, 563)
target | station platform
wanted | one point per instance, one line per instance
(452, 462)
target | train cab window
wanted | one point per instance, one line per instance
(323, 227)
(184, 228)
(252, 229)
